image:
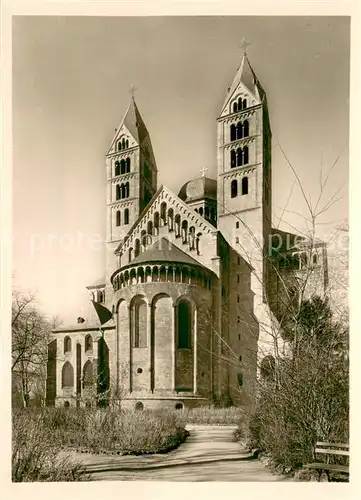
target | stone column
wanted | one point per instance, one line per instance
(173, 346)
(117, 358)
(74, 341)
(149, 344)
(195, 351)
(130, 348)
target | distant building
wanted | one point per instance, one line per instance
(190, 280)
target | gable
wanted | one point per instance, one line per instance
(122, 133)
(175, 221)
(240, 91)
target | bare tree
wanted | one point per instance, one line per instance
(30, 336)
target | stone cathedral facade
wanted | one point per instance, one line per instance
(187, 276)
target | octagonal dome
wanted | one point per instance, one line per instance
(199, 189)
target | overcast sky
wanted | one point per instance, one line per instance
(71, 79)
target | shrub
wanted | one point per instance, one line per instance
(35, 451)
(306, 399)
(96, 430)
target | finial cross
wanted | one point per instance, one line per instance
(132, 90)
(244, 44)
(203, 171)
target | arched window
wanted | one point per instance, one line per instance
(246, 128)
(117, 168)
(156, 223)
(245, 155)
(127, 144)
(143, 239)
(139, 317)
(233, 158)
(244, 103)
(117, 192)
(239, 104)
(66, 404)
(150, 227)
(67, 344)
(88, 374)
(123, 143)
(233, 133)
(170, 219)
(127, 161)
(239, 130)
(67, 375)
(235, 109)
(177, 221)
(122, 167)
(179, 406)
(137, 248)
(239, 157)
(314, 259)
(184, 325)
(126, 216)
(192, 237)
(126, 190)
(234, 188)
(184, 231)
(119, 146)
(237, 225)
(88, 343)
(163, 213)
(139, 406)
(117, 222)
(201, 211)
(245, 185)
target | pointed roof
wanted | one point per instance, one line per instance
(246, 75)
(164, 250)
(133, 122)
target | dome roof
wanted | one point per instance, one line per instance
(198, 189)
(164, 251)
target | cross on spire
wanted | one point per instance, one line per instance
(132, 90)
(244, 44)
(203, 171)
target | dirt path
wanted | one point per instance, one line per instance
(209, 454)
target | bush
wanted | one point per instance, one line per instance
(97, 430)
(35, 451)
(305, 399)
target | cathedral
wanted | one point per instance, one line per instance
(183, 313)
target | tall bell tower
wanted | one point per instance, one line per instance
(244, 168)
(131, 179)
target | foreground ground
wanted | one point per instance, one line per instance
(209, 454)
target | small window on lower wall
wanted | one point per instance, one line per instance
(66, 404)
(179, 406)
(240, 379)
(139, 406)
